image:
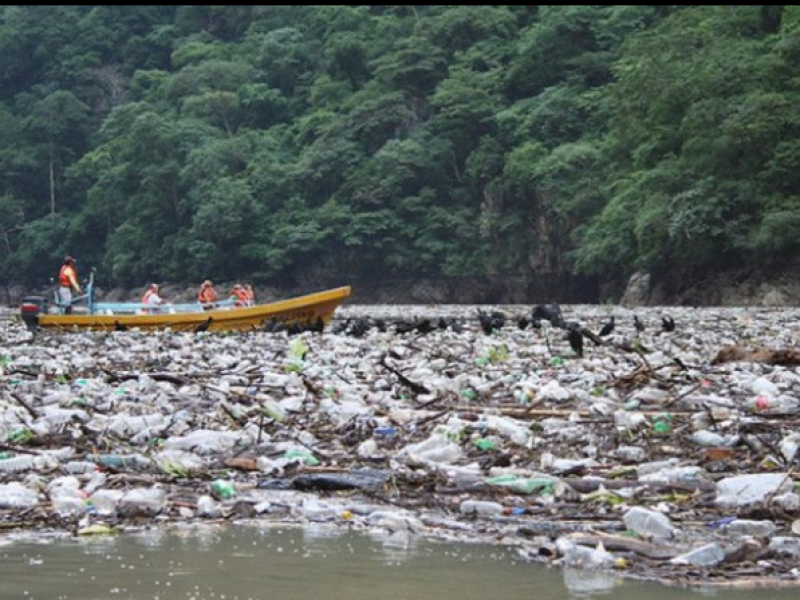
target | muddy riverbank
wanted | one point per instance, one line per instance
(653, 455)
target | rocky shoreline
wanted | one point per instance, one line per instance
(655, 456)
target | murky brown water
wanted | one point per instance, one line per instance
(246, 563)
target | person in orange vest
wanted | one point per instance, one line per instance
(251, 295)
(67, 281)
(151, 299)
(238, 295)
(207, 296)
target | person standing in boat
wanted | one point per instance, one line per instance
(151, 299)
(67, 281)
(207, 296)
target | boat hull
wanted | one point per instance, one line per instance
(305, 310)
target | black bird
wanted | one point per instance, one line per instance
(549, 312)
(295, 327)
(340, 328)
(274, 326)
(667, 323)
(119, 326)
(359, 328)
(491, 322)
(523, 322)
(424, 326)
(403, 327)
(608, 327)
(638, 324)
(204, 325)
(575, 337)
(317, 326)
(455, 325)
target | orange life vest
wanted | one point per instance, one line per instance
(64, 276)
(207, 295)
(240, 296)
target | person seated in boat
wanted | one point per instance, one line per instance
(238, 295)
(151, 299)
(207, 296)
(251, 295)
(67, 281)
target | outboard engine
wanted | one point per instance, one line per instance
(31, 308)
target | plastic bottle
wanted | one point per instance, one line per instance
(705, 556)
(68, 501)
(582, 557)
(105, 502)
(145, 501)
(208, 507)
(649, 524)
(308, 458)
(15, 495)
(222, 489)
(486, 444)
(741, 527)
(631, 453)
(16, 464)
(482, 507)
(384, 431)
(662, 424)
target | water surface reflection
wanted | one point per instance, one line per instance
(255, 563)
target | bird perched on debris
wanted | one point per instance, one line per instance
(549, 312)
(575, 338)
(667, 324)
(119, 326)
(491, 322)
(204, 325)
(607, 327)
(638, 324)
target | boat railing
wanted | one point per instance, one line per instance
(137, 308)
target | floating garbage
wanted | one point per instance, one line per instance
(663, 456)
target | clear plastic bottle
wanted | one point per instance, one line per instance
(145, 501)
(482, 508)
(649, 524)
(17, 464)
(105, 502)
(14, 495)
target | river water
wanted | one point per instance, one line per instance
(254, 563)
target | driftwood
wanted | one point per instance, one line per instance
(415, 387)
(788, 358)
(619, 543)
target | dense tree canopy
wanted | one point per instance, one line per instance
(280, 143)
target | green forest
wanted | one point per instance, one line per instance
(176, 143)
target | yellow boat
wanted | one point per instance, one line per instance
(309, 310)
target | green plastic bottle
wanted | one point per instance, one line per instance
(222, 489)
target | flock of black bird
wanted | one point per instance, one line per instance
(489, 323)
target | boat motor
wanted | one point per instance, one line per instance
(31, 308)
